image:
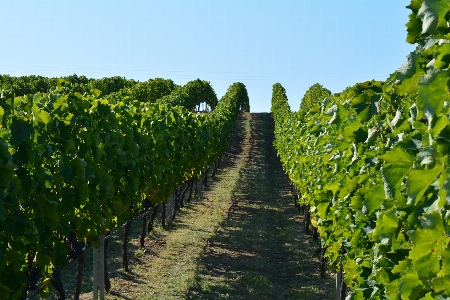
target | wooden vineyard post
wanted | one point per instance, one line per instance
(99, 269)
(198, 188)
(170, 209)
(338, 284)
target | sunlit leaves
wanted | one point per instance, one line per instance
(397, 164)
(419, 181)
(410, 287)
(374, 161)
(427, 16)
(414, 28)
(433, 92)
(71, 162)
(374, 199)
(429, 244)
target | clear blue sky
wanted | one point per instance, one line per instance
(296, 43)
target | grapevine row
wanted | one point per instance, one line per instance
(372, 163)
(79, 164)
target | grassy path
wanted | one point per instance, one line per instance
(242, 239)
(260, 251)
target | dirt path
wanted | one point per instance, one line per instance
(242, 239)
(261, 252)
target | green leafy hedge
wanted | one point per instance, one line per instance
(73, 163)
(373, 164)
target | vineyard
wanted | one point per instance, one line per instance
(76, 166)
(371, 167)
(369, 170)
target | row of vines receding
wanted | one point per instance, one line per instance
(77, 162)
(372, 163)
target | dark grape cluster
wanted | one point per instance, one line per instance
(33, 277)
(75, 247)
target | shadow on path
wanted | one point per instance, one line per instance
(260, 251)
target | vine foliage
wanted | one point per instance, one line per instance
(372, 162)
(74, 166)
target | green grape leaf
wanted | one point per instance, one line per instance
(351, 126)
(410, 286)
(2, 112)
(398, 163)
(52, 220)
(332, 185)
(357, 201)
(62, 82)
(408, 68)
(408, 74)
(441, 123)
(440, 284)
(386, 229)
(83, 192)
(70, 146)
(419, 181)
(399, 157)
(444, 192)
(428, 296)
(427, 237)
(433, 91)
(429, 19)
(4, 291)
(443, 59)
(426, 265)
(415, 5)
(21, 130)
(445, 259)
(432, 13)
(414, 28)
(401, 266)
(322, 208)
(16, 258)
(51, 212)
(96, 92)
(6, 173)
(80, 168)
(41, 116)
(66, 172)
(347, 185)
(428, 243)
(426, 156)
(374, 199)
(433, 220)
